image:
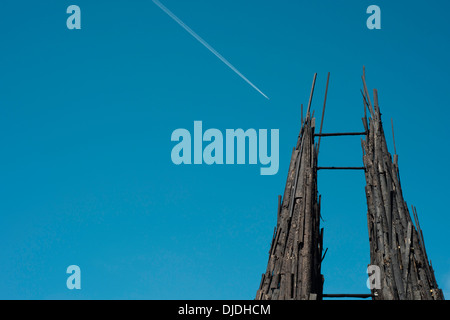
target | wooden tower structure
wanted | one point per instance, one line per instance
(397, 248)
(293, 270)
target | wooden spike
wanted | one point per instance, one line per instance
(393, 136)
(366, 94)
(311, 96)
(301, 107)
(323, 111)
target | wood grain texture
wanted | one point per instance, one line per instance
(396, 244)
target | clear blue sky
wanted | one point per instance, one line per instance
(86, 117)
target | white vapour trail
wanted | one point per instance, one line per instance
(203, 42)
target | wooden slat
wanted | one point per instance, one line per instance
(310, 97)
(323, 111)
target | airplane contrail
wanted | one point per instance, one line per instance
(203, 42)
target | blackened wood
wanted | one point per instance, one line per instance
(323, 112)
(311, 96)
(396, 246)
(302, 113)
(393, 136)
(366, 128)
(366, 94)
(293, 269)
(279, 207)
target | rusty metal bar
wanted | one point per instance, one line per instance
(341, 168)
(348, 295)
(340, 134)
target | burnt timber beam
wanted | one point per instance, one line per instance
(397, 246)
(294, 266)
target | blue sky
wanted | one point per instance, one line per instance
(86, 118)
